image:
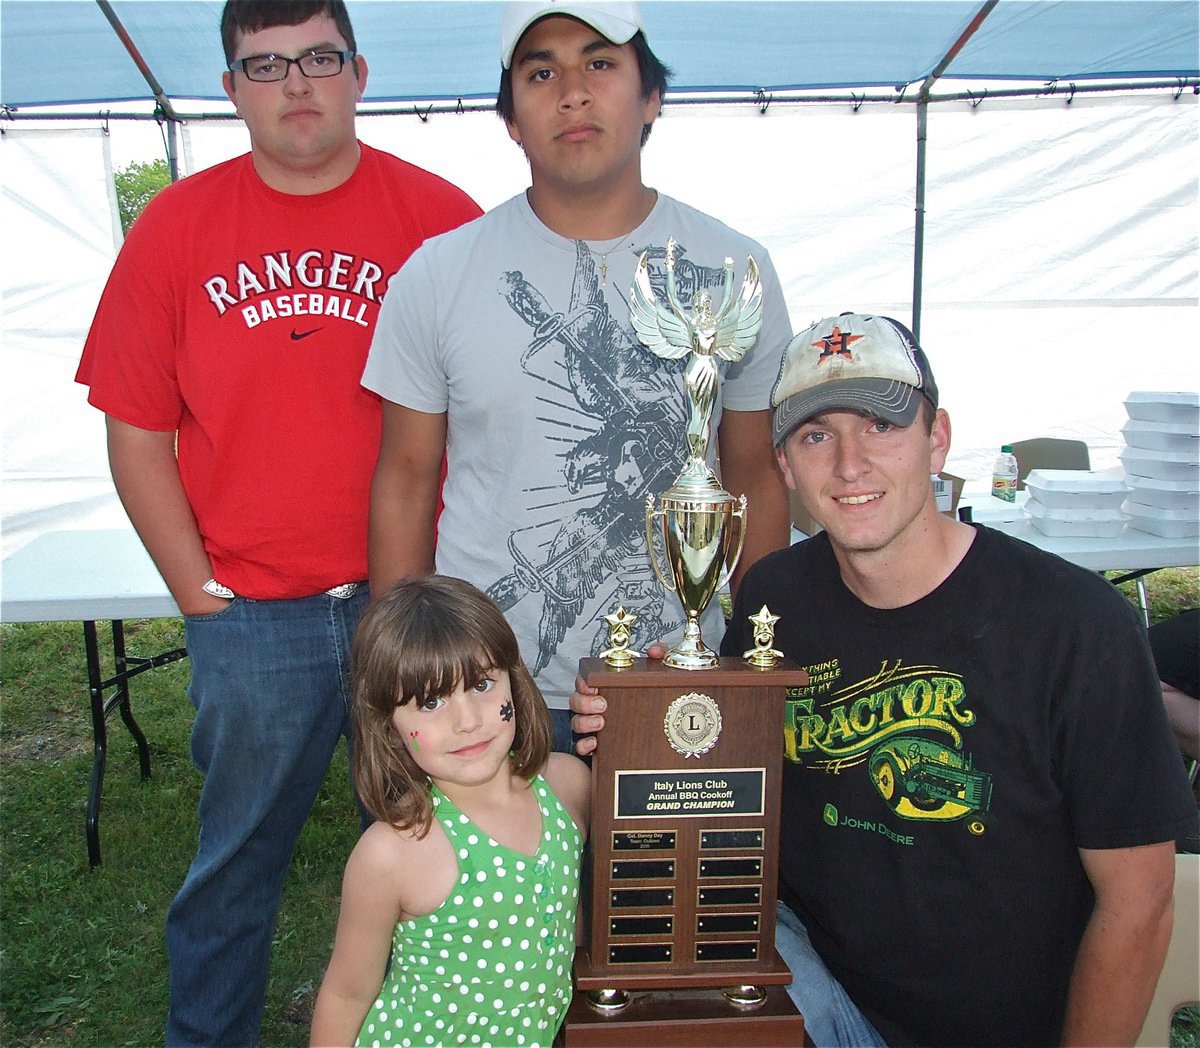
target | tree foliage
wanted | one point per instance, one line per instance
(136, 185)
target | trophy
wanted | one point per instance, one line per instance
(686, 777)
(696, 515)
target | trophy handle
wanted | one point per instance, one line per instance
(651, 513)
(739, 515)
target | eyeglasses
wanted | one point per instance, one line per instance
(316, 64)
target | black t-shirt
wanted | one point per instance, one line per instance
(943, 766)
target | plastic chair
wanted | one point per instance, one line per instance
(1179, 983)
(1049, 453)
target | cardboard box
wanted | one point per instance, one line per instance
(949, 508)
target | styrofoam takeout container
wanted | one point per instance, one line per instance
(1169, 523)
(1166, 465)
(1076, 489)
(1074, 523)
(1165, 494)
(1146, 406)
(1179, 437)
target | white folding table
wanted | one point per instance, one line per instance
(1129, 550)
(91, 576)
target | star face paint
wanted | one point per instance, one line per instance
(506, 711)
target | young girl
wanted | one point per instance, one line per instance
(469, 880)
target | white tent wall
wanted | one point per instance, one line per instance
(1062, 264)
(61, 231)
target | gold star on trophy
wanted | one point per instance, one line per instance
(620, 633)
(763, 654)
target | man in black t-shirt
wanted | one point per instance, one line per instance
(980, 791)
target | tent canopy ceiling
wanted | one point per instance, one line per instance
(65, 52)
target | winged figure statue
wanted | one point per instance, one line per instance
(670, 333)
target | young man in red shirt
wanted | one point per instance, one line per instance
(226, 354)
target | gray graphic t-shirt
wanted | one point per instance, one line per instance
(559, 422)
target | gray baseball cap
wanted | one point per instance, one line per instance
(855, 362)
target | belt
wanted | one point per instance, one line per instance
(343, 592)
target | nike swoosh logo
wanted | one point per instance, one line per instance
(298, 335)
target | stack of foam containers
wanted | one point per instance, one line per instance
(1075, 503)
(1162, 463)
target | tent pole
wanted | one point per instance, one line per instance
(919, 218)
(173, 149)
(922, 134)
(163, 103)
(160, 95)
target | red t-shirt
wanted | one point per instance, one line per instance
(241, 317)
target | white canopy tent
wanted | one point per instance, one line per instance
(1061, 260)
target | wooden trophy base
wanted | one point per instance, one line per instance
(685, 827)
(685, 852)
(666, 1018)
(772, 972)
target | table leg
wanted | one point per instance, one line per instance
(121, 697)
(1139, 578)
(126, 668)
(99, 741)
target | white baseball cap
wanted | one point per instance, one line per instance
(618, 22)
(852, 362)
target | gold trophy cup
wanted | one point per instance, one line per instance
(697, 530)
(696, 515)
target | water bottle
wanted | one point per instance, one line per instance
(1004, 475)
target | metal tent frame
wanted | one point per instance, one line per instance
(1155, 68)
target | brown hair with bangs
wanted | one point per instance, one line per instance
(421, 639)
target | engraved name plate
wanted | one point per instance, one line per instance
(643, 840)
(683, 794)
(727, 922)
(635, 898)
(651, 869)
(641, 953)
(641, 926)
(731, 867)
(718, 840)
(741, 895)
(726, 951)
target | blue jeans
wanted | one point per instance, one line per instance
(830, 1017)
(270, 683)
(564, 739)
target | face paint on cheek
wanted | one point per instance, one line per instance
(506, 711)
(412, 741)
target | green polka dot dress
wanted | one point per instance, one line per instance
(492, 964)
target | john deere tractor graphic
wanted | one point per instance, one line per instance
(922, 779)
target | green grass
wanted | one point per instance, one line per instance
(1168, 592)
(82, 951)
(82, 959)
